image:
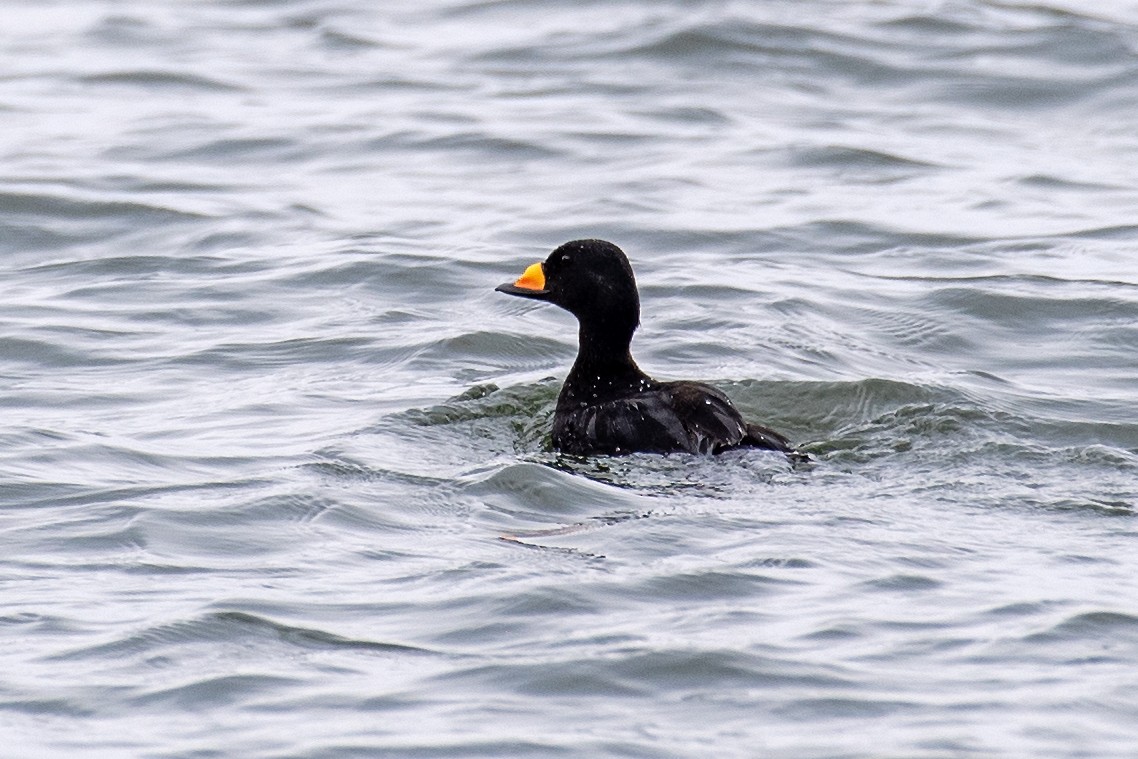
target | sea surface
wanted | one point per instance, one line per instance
(275, 475)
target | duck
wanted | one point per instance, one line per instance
(607, 404)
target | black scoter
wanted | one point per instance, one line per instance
(607, 404)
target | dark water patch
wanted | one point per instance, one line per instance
(834, 406)
(22, 237)
(696, 670)
(1051, 182)
(496, 350)
(407, 278)
(540, 602)
(681, 674)
(996, 302)
(163, 185)
(677, 588)
(234, 629)
(1106, 626)
(1113, 232)
(836, 635)
(231, 532)
(929, 27)
(162, 81)
(1080, 559)
(806, 55)
(518, 418)
(495, 147)
(739, 41)
(271, 512)
(1022, 609)
(309, 638)
(338, 468)
(280, 353)
(489, 400)
(1071, 41)
(338, 39)
(696, 43)
(1008, 482)
(212, 692)
(37, 494)
(204, 313)
(53, 208)
(270, 150)
(126, 30)
(369, 83)
(46, 708)
(920, 330)
(1014, 93)
(814, 709)
(843, 159)
(31, 622)
(930, 421)
(356, 269)
(579, 681)
(779, 563)
(903, 583)
(551, 553)
(853, 238)
(49, 354)
(21, 618)
(688, 115)
(1082, 56)
(1106, 507)
(487, 633)
(916, 430)
(115, 265)
(532, 492)
(1094, 446)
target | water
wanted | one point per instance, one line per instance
(273, 471)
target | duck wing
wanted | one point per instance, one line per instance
(714, 424)
(672, 416)
(643, 422)
(709, 420)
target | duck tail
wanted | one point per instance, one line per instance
(759, 436)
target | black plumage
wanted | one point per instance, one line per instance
(607, 404)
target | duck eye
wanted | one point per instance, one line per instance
(565, 259)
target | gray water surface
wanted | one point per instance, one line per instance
(274, 466)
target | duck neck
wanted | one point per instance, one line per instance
(604, 368)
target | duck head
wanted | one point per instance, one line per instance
(590, 279)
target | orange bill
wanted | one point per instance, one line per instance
(533, 278)
(530, 285)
